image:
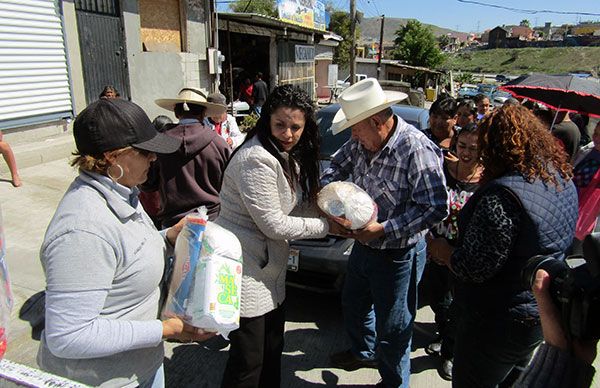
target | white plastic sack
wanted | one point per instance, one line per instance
(205, 288)
(347, 200)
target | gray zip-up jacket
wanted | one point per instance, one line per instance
(103, 261)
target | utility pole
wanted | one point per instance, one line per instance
(380, 47)
(353, 41)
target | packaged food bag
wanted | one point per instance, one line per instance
(347, 200)
(205, 287)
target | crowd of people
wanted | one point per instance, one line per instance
(461, 205)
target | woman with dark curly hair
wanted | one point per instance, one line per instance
(272, 173)
(526, 206)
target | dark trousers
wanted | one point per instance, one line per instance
(436, 290)
(255, 352)
(491, 348)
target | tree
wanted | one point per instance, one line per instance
(443, 41)
(340, 24)
(416, 45)
(525, 23)
(262, 7)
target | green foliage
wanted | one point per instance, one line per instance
(552, 60)
(248, 122)
(416, 44)
(465, 78)
(262, 7)
(443, 41)
(525, 23)
(340, 24)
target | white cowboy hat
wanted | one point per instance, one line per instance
(191, 96)
(362, 100)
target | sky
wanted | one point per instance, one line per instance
(466, 17)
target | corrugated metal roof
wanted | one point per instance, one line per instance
(272, 22)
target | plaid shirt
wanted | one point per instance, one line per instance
(405, 178)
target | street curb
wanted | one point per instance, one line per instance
(43, 151)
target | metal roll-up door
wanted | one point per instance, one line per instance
(34, 79)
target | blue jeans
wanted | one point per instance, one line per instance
(156, 381)
(380, 303)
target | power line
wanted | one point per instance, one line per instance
(364, 9)
(374, 5)
(528, 11)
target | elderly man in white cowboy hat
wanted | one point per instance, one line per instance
(190, 177)
(401, 169)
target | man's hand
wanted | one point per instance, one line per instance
(372, 231)
(229, 141)
(339, 226)
(174, 231)
(554, 333)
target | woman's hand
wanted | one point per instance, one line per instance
(174, 231)
(438, 249)
(175, 328)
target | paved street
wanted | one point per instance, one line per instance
(313, 328)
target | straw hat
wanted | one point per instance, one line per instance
(362, 100)
(191, 96)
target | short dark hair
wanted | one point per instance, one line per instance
(444, 106)
(107, 89)
(469, 103)
(160, 122)
(480, 97)
(469, 128)
(385, 114)
(259, 74)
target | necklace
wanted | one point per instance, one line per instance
(469, 177)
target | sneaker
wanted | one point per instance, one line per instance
(348, 361)
(445, 370)
(434, 348)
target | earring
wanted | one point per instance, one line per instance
(121, 172)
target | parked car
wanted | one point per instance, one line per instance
(346, 82)
(499, 97)
(321, 264)
(468, 91)
(487, 89)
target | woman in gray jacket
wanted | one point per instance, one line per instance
(272, 173)
(104, 259)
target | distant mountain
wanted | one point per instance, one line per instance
(370, 28)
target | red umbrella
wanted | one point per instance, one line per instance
(560, 92)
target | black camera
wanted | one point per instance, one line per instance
(575, 287)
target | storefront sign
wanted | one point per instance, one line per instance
(307, 13)
(304, 54)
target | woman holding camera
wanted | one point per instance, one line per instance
(526, 206)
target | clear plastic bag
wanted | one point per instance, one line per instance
(205, 288)
(347, 200)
